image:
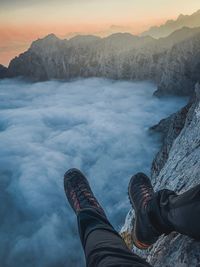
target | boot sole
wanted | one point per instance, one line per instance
(136, 241)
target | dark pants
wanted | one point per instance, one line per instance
(168, 211)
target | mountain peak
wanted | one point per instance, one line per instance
(181, 16)
(121, 34)
(51, 36)
(50, 40)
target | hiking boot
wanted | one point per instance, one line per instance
(140, 193)
(79, 193)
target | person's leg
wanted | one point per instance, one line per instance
(103, 246)
(181, 212)
(162, 212)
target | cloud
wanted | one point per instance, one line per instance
(97, 125)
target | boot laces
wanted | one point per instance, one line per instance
(147, 193)
(83, 193)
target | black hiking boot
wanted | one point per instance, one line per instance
(79, 193)
(140, 193)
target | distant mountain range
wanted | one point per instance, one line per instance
(170, 26)
(172, 62)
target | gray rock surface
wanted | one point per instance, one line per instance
(3, 71)
(179, 171)
(181, 68)
(172, 62)
(169, 129)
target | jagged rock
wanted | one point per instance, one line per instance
(169, 129)
(179, 171)
(181, 68)
(23, 66)
(3, 71)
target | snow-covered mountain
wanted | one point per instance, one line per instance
(172, 62)
(170, 26)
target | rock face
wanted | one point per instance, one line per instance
(172, 25)
(3, 71)
(179, 170)
(181, 68)
(169, 129)
(172, 62)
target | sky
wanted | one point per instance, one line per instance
(49, 127)
(22, 21)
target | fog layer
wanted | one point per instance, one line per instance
(97, 125)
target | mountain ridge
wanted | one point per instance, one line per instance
(169, 61)
(170, 26)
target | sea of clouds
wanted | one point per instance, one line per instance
(100, 126)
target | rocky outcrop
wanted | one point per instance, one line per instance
(183, 155)
(178, 170)
(3, 71)
(181, 68)
(172, 62)
(169, 129)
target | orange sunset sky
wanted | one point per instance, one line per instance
(22, 21)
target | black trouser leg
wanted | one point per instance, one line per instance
(103, 246)
(181, 213)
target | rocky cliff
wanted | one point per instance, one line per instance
(181, 68)
(176, 167)
(172, 62)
